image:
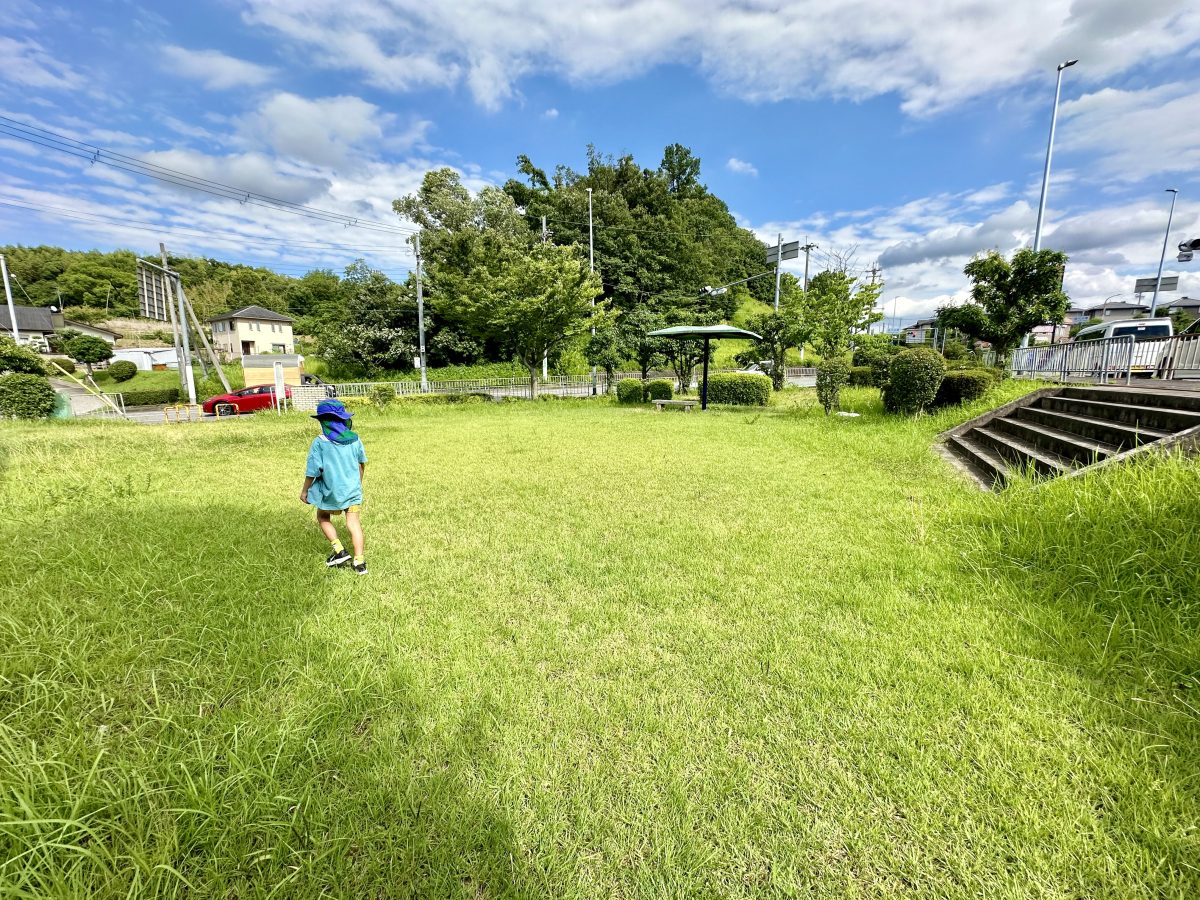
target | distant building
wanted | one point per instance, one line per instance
(37, 324)
(921, 331)
(252, 330)
(1189, 305)
(148, 358)
(1120, 310)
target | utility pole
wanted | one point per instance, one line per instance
(12, 310)
(807, 248)
(545, 233)
(1158, 283)
(874, 270)
(591, 268)
(778, 267)
(183, 359)
(421, 318)
(546, 353)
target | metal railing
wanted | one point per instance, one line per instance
(1099, 361)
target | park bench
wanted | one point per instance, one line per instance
(686, 404)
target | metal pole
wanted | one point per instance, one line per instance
(807, 247)
(1037, 232)
(421, 319)
(12, 310)
(591, 268)
(189, 377)
(1158, 282)
(181, 362)
(704, 383)
(778, 268)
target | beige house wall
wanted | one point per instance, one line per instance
(262, 336)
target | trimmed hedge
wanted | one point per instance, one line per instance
(157, 397)
(64, 361)
(739, 389)
(382, 394)
(862, 376)
(26, 396)
(913, 380)
(121, 370)
(659, 389)
(963, 386)
(831, 375)
(630, 390)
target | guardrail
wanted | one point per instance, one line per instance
(1100, 361)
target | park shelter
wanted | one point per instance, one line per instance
(704, 333)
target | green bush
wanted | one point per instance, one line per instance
(630, 390)
(157, 397)
(381, 395)
(65, 362)
(22, 360)
(962, 387)
(121, 370)
(831, 375)
(914, 377)
(26, 396)
(862, 376)
(659, 389)
(955, 350)
(739, 389)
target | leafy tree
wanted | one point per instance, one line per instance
(15, 359)
(781, 330)
(531, 303)
(88, 349)
(608, 349)
(837, 306)
(649, 353)
(1009, 299)
(371, 325)
(1075, 329)
(682, 170)
(1182, 320)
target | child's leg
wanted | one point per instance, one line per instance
(354, 523)
(325, 521)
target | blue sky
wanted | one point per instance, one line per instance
(910, 134)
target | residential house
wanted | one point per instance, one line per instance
(1119, 310)
(37, 324)
(921, 331)
(1189, 305)
(252, 330)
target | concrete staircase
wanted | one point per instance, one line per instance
(1063, 430)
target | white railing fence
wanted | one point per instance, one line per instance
(1110, 359)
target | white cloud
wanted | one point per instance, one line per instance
(933, 56)
(741, 167)
(1135, 133)
(214, 69)
(248, 171)
(551, 113)
(28, 64)
(325, 132)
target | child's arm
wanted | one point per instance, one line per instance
(308, 481)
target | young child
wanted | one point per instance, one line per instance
(333, 480)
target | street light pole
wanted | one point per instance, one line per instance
(1037, 232)
(592, 268)
(421, 317)
(12, 310)
(1158, 282)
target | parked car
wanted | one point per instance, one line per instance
(762, 367)
(313, 381)
(1150, 340)
(251, 399)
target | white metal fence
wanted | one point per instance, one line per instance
(1111, 359)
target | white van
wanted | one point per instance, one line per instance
(1149, 340)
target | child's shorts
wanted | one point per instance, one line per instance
(353, 508)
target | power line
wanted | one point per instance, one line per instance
(43, 137)
(154, 228)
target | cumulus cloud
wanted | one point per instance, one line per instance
(214, 69)
(248, 171)
(741, 167)
(324, 132)
(932, 56)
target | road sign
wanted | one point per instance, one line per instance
(152, 293)
(790, 251)
(1146, 285)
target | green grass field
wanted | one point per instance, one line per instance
(602, 652)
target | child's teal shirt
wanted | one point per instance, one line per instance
(334, 468)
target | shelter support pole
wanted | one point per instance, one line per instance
(704, 381)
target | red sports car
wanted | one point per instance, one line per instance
(251, 399)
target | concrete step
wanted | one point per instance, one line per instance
(1115, 433)
(1021, 452)
(1160, 418)
(1079, 449)
(1137, 395)
(987, 465)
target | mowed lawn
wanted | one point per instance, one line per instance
(602, 652)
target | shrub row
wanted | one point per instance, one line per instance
(26, 396)
(156, 397)
(739, 389)
(633, 390)
(860, 376)
(963, 386)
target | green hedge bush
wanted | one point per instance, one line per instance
(26, 396)
(121, 370)
(831, 375)
(382, 394)
(151, 397)
(963, 386)
(914, 377)
(64, 361)
(861, 376)
(659, 389)
(739, 389)
(630, 390)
